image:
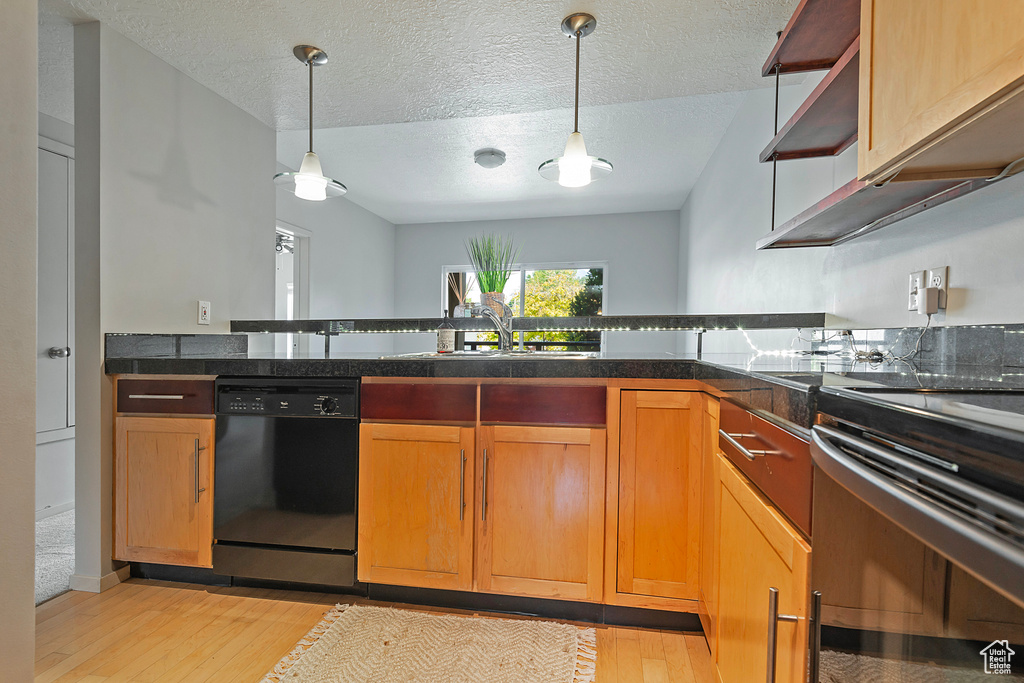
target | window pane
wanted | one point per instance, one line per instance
(549, 293)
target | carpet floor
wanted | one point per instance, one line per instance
(55, 555)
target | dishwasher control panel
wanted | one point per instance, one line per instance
(288, 397)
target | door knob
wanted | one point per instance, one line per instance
(59, 351)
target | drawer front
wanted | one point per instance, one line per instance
(777, 461)
(537, 404)
(184, 396)
(420, 402)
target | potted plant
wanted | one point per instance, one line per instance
(492, 257)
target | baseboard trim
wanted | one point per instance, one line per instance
(98, 584)
(54, 510)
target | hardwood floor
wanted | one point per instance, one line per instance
(155, 631)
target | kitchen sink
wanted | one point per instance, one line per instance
(494, 355)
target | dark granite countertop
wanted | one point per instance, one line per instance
(783, 385)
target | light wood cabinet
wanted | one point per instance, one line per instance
(759, 550)
(707, 602)
(871, 573)
(416, 505)
(658, 502)
(163, 490)
(941, 88)
(976, 612)
(540, 520)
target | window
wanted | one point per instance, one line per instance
(540, 290)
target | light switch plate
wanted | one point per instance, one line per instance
(204, 312)
(938, 278)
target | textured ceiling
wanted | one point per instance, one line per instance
(424, 172)
(413, 87)
(420, 60)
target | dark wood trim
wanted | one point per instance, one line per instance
(196, 396)
(525, 404)
(418, 401)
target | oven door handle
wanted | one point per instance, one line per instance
(991, 558)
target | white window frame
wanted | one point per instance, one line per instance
(522, 268)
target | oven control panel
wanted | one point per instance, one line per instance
(292, 401)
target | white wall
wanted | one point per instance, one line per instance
(352, 266)
(980, 237)
(174, 203)
(18, 144)
(641, 250)
(55, 477)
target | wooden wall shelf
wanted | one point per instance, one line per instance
(859, 208)
(816, 36)
(826, 123)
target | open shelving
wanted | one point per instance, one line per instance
(815, 37)
(825, 34)
(859, 208)
(826, 123)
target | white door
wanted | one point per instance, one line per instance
(54, 366)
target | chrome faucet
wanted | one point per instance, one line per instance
(502, 322)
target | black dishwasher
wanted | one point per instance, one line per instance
(285, 477)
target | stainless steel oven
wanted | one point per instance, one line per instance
(918, 536)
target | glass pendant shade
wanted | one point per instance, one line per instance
(310, 183)
(575, 168)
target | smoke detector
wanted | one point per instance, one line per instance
(489, 157)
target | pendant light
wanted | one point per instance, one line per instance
(310, 182)
(575, 168)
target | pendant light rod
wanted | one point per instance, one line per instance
(311, 105)
(576, 108)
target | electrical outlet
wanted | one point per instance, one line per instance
(938, 277)
(204, 312)
(917, 283)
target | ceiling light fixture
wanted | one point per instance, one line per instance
(575, 168)
(489, 157)
(310, 182)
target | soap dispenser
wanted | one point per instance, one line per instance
(446, 335)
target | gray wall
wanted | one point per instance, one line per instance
(640, 248)
(980, 238)
(352, 265)
(18, 144)
(173, 205)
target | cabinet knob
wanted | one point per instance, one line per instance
(59, 352)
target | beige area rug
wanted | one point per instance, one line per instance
(357, 644)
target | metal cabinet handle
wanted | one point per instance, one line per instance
(483, 506)
(462, 486)
(773, 627)
(747, 453)
(158, 397)
(814, 639)
(59, 352)
(195, 460)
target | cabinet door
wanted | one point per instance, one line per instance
(872, 574)
(708, 594)
(759, 550)
(659, 494)
(415, 505)
(541, 513)
(940, 87)
(163, 490)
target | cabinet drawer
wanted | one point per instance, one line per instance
(536, 404)
(420, 402)
(182, 396)
(781, 466)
